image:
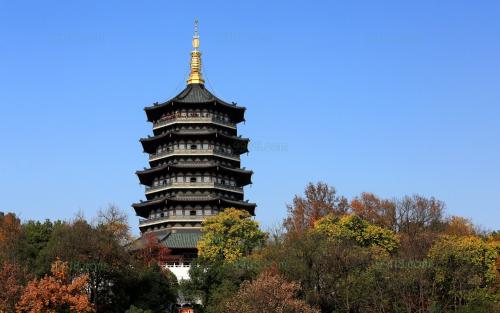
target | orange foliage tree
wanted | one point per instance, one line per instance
(369, 207)
(319, 200)
(56, 293)
(269, 292)
(12, 277)
(10, 230)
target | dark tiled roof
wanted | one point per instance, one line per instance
(182, 240)
(149, 143)
(196, 94)
(146, 176)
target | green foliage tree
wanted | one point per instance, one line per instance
(134, 309)
(35, 236)
(116, 278)
(151, 288)
(215, 282)
(333, 274)
(229, 235)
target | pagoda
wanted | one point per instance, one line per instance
(194, 157)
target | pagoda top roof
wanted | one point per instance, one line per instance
(194, 94)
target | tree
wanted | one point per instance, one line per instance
(333, 274)
(269, 292)
(213, 282)
(56, 293)
(134, 309)
(229, 235)
(375, 210)
(93, 251)
(459, 226)
(419, 222)
(12, 280)
(116, 222)
(352, 227)
(464, 270)
(10, 231)
(35, 236)
(319, 200)
(153, 251)
(149, 288)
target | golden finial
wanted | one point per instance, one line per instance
(195, 74)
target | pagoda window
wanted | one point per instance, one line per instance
(192, 180)
(192, 212)
(194, 147)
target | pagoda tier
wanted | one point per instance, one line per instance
(200, 171)
(187, 139)
(202, 205)
(194, 97)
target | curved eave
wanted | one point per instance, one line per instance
(149, 144)
(248, 206)
(142, 209)
(195, 94)
(146, 177)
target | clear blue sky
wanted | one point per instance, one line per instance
(391, 97)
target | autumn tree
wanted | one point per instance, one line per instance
(352, 227)
(459, 226)
(333, 274)
(419, 222)
(319, 200)
(371, 208)
(153, 251)
(269, 292)
(56, 293)
(93, 251)
(12, 280)
(464, 270)
(116, 222)
(229, 235)
(10, 230)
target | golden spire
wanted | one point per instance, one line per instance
(195, 74)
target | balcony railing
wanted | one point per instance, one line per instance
(211, 151)
(193, 119)
(153, 189)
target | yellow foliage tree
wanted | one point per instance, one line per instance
(464, 269)
(229, 235)
(352, 227)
